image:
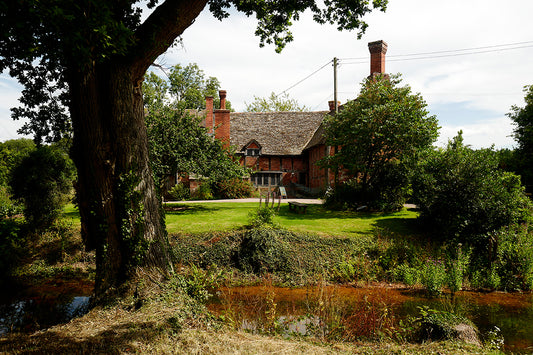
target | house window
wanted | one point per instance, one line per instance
(264, 179)
(252, 152)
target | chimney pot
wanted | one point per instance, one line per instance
(222, 94)
(331, 105)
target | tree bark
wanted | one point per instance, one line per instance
(119, 208)
(120, 211)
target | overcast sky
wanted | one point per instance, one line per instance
(485, 49)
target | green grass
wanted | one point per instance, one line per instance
(210, 217)
(215, 217)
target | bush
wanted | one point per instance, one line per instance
(433, 276)
(179, 192)
(263, 250)
(43, 181)
(462, 194)
(203, 192)
(263, 216)
(8, 207)
(12, 246)
(234, 188)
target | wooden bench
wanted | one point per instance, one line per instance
(297, 207)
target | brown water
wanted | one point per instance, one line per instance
(348, 313)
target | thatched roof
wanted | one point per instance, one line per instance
(278, 133)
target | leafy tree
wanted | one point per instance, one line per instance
(178, 141)
(378, 136)
(91, 56)
(185, 88)
(11, 153)
(43, 181)
(523, 133)
(180, 144)
(275, 103)
(463, 194)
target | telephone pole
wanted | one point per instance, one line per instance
(335, 64)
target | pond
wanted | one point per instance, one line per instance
(350, 313)
(46, 305)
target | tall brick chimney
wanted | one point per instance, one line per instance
(209, 114)
(377, 49)
(222, 120)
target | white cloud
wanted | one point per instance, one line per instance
(483, 86)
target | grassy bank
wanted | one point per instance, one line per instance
(213, 247)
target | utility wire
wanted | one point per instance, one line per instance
(448, 53)
(307, 77)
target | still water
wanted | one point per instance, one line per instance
(352, 313)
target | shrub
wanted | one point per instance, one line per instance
(262, 216)
(12, 246)
(462, 194)
(8, 207)
(203, 192)
(457, 267)
(433, 276)
(514, 259)
(263, 250)
(234, 188)
(179, 192)
(443, 325)
(43, 181)
(406, 274)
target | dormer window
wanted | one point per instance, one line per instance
(252, 152)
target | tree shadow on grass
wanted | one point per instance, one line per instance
(113, 340)
(315, 212)
(184, 209)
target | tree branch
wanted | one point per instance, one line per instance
(161, 28)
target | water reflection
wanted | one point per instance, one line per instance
(354, 313)
(39, 312)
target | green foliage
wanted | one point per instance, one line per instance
(179, 192)
(43, 181)
(198, 283)
(263, 250)
(12, 246)
(514, 260)
(8, 207)
(441, 325)
(261, 217)
(186, 88)
(233, 188)
(462, 194)
(523, 133)
(379, 136)
(203, 192)
(11, 153)
(275, 103)
(407, 274)
(178, 141)
(354, 269)
(456, 270)
(433, 276)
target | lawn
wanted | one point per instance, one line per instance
(209, 217)
(221, 216)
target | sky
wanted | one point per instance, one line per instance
(469, 59)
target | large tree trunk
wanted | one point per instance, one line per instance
(119, 207)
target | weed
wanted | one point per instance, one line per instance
(433, 276)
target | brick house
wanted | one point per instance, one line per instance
(282, 148)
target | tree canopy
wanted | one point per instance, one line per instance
(91, 57)
(178, 141)
(523, 133)
(378, 135)
(275, 103)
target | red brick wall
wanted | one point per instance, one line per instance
(222, 124)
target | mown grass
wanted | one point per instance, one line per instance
(194, 218)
